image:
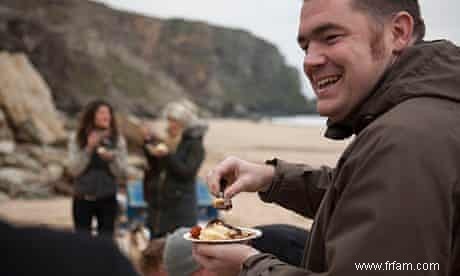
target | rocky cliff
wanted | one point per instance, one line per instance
(33, 135)
(85, 50)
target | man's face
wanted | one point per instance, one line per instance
(345, 54)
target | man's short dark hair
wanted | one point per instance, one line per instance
(382, 9)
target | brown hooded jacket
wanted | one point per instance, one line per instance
(393, 200)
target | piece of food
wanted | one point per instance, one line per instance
(161, 147)
(222, 203)
(218, 230)
(195, 232)
(101, 150)
(218, 202)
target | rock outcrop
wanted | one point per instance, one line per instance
(7, 144)
(33, 153)
(27, 103)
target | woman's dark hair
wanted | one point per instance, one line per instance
(86, 124)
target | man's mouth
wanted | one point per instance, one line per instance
(325, 82)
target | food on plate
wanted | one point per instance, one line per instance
(157, 148)
(161, 147)
(101, 150)
(195, 232)
(218, 230)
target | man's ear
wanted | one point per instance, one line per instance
(402, 30)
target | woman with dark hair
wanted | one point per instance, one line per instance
(97, 161)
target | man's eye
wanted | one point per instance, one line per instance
(305, 48)
(330, 39)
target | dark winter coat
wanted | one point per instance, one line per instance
(169, 185)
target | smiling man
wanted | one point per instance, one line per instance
(394, 195)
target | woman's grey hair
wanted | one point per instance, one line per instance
(184, 112)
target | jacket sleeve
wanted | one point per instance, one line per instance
(78, 159)
(269, 265)
(298, 187)
(118, 166)
(152, 160)
(149, 173)
(186, 167)
(394, 212)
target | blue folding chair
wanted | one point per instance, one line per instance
(136, 209)
(206, 211)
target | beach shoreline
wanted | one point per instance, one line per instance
(253, 141)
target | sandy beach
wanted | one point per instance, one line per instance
(253, 141)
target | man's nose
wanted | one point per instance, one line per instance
(314, 57)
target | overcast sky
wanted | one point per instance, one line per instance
(277, 20)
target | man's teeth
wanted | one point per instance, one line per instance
(327, 81)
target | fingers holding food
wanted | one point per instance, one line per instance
(227, 169)
(159, 150)
(101, 150)
(105, 154)
(222, 203)
(161, 147)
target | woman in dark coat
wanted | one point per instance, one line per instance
(169, 184)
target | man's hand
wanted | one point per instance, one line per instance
(225, 259)
(242, 176)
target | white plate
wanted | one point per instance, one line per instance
(255, 233)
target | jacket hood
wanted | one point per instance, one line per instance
(427, 69)
(197, 130)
